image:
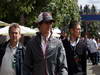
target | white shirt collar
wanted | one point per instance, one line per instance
(74, 43)
(42, 37)
(11, 46)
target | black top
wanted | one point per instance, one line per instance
(76, 57)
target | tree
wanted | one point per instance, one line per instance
(81, 10)
(91, 26)
(28, 10)
(93, 10)
(86, 9)
(63, 11)
(12, 10)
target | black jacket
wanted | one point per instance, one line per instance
(19, 56)
(76, 57)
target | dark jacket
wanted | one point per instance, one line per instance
(76, 57)
(19, 56)
(54, 62)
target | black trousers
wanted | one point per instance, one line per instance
(93, 58)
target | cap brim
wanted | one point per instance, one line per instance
(48, 21)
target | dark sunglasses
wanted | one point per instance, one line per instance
(48, 22)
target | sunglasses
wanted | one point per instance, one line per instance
(48, 22)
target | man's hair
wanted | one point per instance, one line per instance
(73, 24)
(15, 25)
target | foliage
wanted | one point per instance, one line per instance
(92, 27)
(12, 10)
(93, 10)
(26, 11)
(86, 9)
(63, 11)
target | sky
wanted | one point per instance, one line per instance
(89, 2)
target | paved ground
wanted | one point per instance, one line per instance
(93, 69)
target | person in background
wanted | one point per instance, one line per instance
(92, 45)
(98, 50)
(75, 50)
(98, 42)
(3, 38)
(26, 40)
(45, 54)
(63, 35)
(12, 53)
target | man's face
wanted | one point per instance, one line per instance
(46, 27)
(14, 34)
(76, 30)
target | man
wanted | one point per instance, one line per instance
(45, 54)
(75, 50)
(12, 52)
(93, 49)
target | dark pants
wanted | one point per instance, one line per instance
(93, 57)
(98, 57)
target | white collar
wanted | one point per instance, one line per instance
(47, 38)
(13, 47)
(74, 43)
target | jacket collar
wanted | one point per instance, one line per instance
(38, 42)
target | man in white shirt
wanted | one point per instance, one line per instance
(92, 45)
